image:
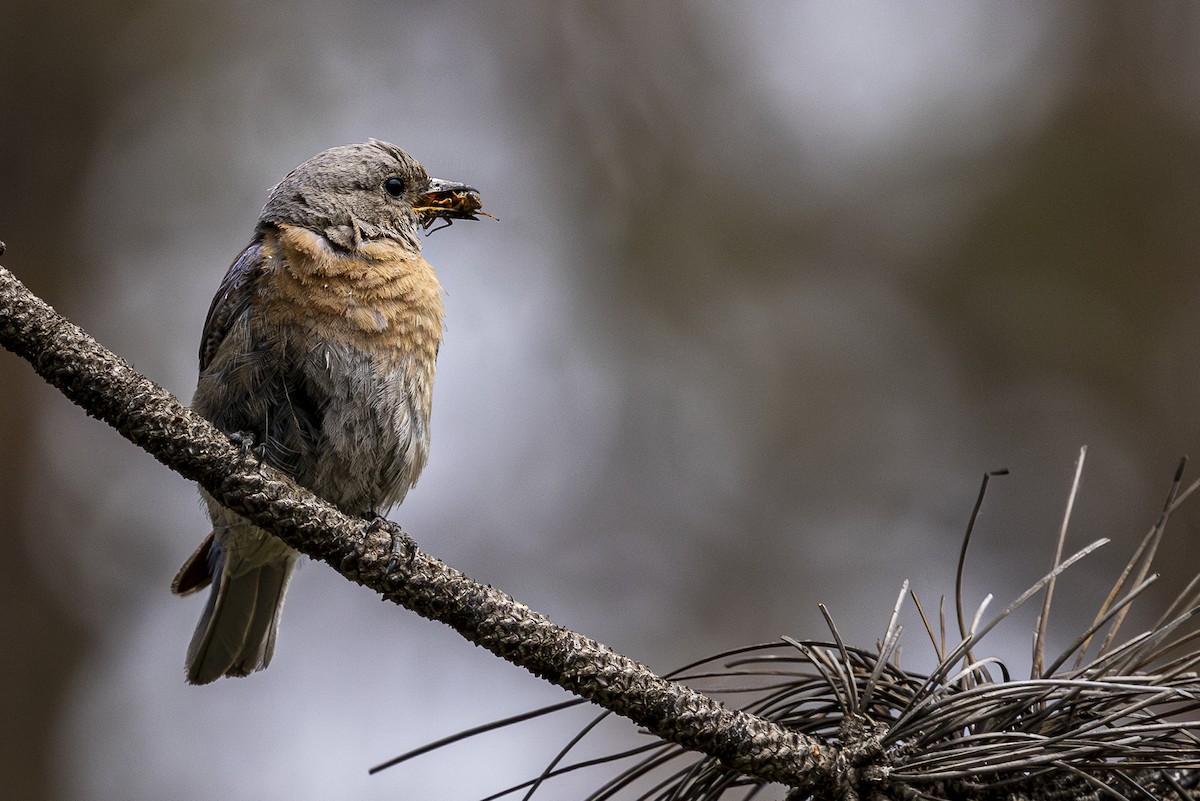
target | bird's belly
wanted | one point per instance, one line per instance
(374, 430)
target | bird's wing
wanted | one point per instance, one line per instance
(231, 300)
(250, 382)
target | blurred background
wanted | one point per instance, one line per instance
(774, 284)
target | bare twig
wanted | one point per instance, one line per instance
(1043, 621)
(382, 557)
(962, 553)
(1123, 725)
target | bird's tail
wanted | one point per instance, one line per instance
(236, 633)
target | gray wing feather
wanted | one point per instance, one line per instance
(232, 299)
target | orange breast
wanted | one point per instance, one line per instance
(384, 295)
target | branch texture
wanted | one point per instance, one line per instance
(382, 557)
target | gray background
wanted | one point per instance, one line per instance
(774, 284)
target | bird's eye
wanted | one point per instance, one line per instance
(394, 186)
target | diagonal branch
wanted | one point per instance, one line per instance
(385, 559)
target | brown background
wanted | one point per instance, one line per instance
(774, 285)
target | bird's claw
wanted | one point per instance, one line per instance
(402, 549)
(249, 447)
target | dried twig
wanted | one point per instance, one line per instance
(380, 556)
(1125, 725)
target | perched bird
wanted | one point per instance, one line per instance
(319, 347)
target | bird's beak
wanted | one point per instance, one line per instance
(449, 201)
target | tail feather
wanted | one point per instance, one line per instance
(197, 571)
(236, 633)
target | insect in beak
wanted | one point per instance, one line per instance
(448, 201)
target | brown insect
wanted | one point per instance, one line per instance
(449, 204)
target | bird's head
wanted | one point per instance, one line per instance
(367, 191)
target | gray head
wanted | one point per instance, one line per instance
(360, 192)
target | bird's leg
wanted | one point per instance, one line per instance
(402, 548)
(250, 449)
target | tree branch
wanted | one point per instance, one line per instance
(385, 559)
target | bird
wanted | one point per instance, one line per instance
(319, 349)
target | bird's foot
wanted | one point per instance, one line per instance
(403, 549)
(249, 447)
